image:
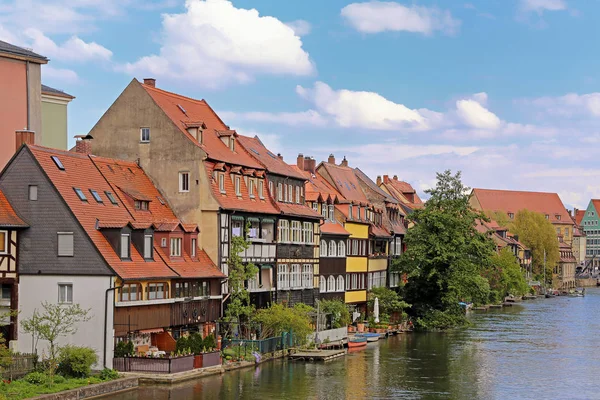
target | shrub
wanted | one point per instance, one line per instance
(108, 374)
(195, 343)
(36, 378)
(182, 344)
(209, 342)
(59, 379)
(76, 361)
(124, 348)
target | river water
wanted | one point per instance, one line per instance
(541, 349)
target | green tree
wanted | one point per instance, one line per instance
(537, 233)
(340, 316)
(501, 218)
(390, 301)
(239, 309)
(505, 276)
(280, 318)
(445, 255)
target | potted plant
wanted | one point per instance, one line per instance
(205, 352)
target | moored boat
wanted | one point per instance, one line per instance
(371, 337)
(355, 342)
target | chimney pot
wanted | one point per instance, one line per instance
(150, 82)
(83, 145)
(344, 162)
(378, 180)
(24, 137)
(386, 178)
(331, 159)
(310, 165)
(395, 177)
(300, 161)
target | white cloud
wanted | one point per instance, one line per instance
(477, 116)
(52, 74)
(378, 16)
(539, 6)
(214, 43)
(569, 105)
(300, 27)
(73, 50)
(310, 117)
(362, 109)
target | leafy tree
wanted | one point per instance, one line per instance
(239, 307)
(445, 255)
(280, 318)
(390, 301)
(505, 276)
(537, 233)
(55, 321)
(340, 316)
(501, 218)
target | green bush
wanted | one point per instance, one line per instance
(209, 342)
(76, 361)
(36, 378)
(58, 379)
(436, 320)
(108, 374)
(124, 348)
(182, 344)
(195, 343)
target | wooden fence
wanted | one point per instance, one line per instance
(21, 365)
(154, 365)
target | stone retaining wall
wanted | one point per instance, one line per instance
(589, 282)
(92, 390)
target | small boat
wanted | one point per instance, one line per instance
(357, 342)
(579, 292)
(371, 337)
(465, 306)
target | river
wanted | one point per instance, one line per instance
(545, 348)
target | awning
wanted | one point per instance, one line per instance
(266, 266)
(268, 220)
(237, 217)
(253, 219)
(153, 330)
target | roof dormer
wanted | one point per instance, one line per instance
(196, 129)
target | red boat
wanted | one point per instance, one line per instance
(357, 342)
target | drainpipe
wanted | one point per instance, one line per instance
(27, 87)
(106, 319)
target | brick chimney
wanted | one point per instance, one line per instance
(344, 162)
(300, 161)
(280, 156)
(331, 159)
(386, 178)
(378, 180)
(310, 165)
(83, 145)
(395, 177)
(24, 137)
(150, 82)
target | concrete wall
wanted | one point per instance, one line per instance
(13, 105)
(330, 334)
(117, 135)
(54, 122)
(88, 292)
(35, 101)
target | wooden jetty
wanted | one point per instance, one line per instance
(496, 306)
(316, 355)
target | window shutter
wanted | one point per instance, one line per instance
(65, 244)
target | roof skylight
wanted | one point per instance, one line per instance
(58, 163)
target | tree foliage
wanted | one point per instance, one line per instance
(280, 318)
(239, 307)
(537, 233)
(390, 301)
(445, 253)
(340, 316)
(505, 276)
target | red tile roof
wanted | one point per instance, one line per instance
(379, 231)
(333, 228)
(273, 164)
(297, 210)
(511, 201)
(186, 267)
(8, 216)
(402, 191)
(317, 188)
(107, 175)
(345, 181)
(230, 201)
(579, 217)
(184, 110)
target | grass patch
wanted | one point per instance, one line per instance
(21, 389)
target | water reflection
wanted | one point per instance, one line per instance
(545, 348)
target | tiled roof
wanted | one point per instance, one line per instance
(183, 110)
(270, 161)
(230, 201)
(511, 201)
(298, 210)
(316, 187)
(345, 181)
(201, 267)
(379, 231)
(8, 216)
(55, 92)
(579, 217)
(373, 186)
(10, 50)
(402, 191)
(398, 228)
(333, 228)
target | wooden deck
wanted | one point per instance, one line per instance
(316, 355)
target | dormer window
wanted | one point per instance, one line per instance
(148, 244)
(350, 211)
(279, 191)
(297, 195)
(194, 246)
(232, 143)
(358, 212)
(238, 187)
(547, 216)
(324, 210)
(141, 205)
(261, 189)
(251, 188)
(558, 217)
(290, 194)
(175, 247)
(125, 245)
(511, 215)
(331, 212)
(221, 178)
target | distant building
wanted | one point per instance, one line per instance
(21, 97)
(54, 117)
(590, 223)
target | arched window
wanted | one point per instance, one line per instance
(323, 248)
(322, 284)
(331, 284)
(340, 283)
(341, 248)
(332, 249)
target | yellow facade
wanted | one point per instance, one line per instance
(144, 284)
(356, 264)
(357, 231)
(359, 296)
(378, 264)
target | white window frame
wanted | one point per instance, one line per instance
(340, 283)
(261, 189)
(341, 248)
(251, 188)
(284, 231)
(296, 232)
(297, 195)
(332, 251)
(66, 235)
(64, 290)
(324, 210)
(221, 178)
(322, 284)
(323, 249)
(307, 276)
(296, 276)
(331, 284)
(148, 246)
(184, 181)
(142, 139)
(308, 233)
(355, 245)
(5, 233)
(331, 212)
(279, 191)
(283, 281)
(315, 206)
(290, 198)
(125, 250)
(238, 185)
(175, 250)
(194, 246)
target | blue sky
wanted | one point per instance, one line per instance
(504, 90)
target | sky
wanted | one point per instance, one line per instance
(506, 91)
